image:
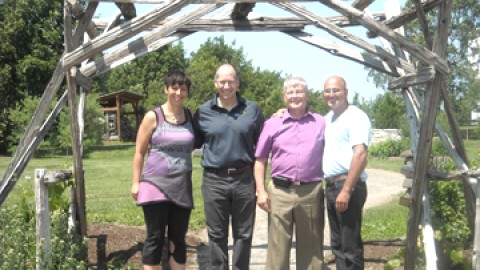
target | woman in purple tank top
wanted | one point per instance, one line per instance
(162, 185)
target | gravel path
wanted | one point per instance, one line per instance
(383, 186)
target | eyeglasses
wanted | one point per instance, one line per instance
(223, 83)
(332, 90)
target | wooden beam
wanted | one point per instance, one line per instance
(432, 100)
(413, 48)
(76, 150)
(422, 19)
(241, 10)
(346, 36)
(262, 23)
(149, 42)
(361, 4)
(31, 139)
(128, 10)
(421, 77)
(344, 52)
(256, 24)
(76, 8)
(118, 58)
(192, 1)
(121, 33)
(406, 16)
(82, 80)
(83, 24)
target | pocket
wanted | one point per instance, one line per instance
(281, 182)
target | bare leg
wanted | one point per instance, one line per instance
(171, 261)
(151, 267)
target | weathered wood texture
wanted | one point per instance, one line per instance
(158, 29)
(120, 33)
(34, 134)
(42, 221)
(148, 43)
(423, 54)
(346, 36)
(432, 99)
(421, 77)
(345, 52)
(43, 179)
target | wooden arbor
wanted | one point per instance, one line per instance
(158, 28)
(113, 102)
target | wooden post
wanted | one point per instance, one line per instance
(432, 98)
(476, 241)
(428, 235)
(42, 216)
(118, 109)
(77, 158)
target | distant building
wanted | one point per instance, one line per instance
(476, 113)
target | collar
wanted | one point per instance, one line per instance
(288, 116)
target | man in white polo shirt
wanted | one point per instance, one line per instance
(347, 136)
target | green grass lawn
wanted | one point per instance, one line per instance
(108, 177)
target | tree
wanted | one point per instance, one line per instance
(145, 74)
(205, 61)
(465, 29)
(59, 136)
(262, 86)
(31, 42)
(388, 111)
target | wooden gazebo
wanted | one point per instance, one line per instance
(85, 58)
(112, 103)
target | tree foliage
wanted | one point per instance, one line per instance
(59, 136)
(145, 74)
(31, 42)
(388, 111)
(464, 30)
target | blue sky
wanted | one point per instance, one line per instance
(279, 52)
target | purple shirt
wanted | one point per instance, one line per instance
(296, 146)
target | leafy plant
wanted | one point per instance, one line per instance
(388, 148)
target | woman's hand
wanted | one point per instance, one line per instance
(134, 191)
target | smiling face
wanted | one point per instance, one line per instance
(296, 97)
(226, 82)
(176, 94)
(335, 94)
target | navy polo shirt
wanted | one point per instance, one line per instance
(228, 138)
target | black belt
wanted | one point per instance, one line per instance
(228, 171)
(337, 178)
(284, 182)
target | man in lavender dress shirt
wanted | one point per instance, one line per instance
(294, 198)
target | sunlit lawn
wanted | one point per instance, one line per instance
(108, 176)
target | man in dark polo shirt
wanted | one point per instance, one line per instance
(228, 127)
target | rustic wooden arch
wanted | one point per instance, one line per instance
(157, 28)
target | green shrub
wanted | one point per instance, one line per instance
(18, 240)
(388, 148)
(58, 138)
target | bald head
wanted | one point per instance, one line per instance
(337, 80)
(227, 70)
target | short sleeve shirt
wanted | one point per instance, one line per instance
(296, 146)
(342, 133)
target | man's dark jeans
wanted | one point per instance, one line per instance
(229, 196)
(345, 227)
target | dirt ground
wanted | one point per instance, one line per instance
(120, 247)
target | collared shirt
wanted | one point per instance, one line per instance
(228, 138)
(351, 128)
(296, 146)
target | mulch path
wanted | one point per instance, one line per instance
(119, 246)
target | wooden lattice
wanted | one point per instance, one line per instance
(158, 28)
